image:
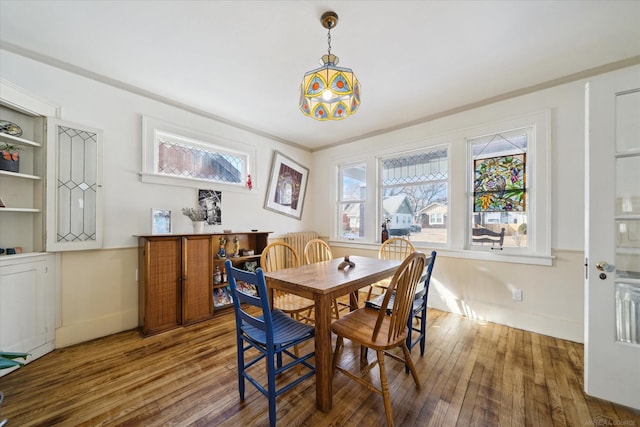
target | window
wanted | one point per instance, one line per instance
(424, 186)
(414, 194)
(179, 156)
(499, 203)
(352, 200)
(436, 218)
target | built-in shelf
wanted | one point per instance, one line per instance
(22, 191)
(20, 210)
(10, 139)
(20, 175)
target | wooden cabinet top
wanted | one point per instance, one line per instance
(233, 233)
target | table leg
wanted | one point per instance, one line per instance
(353, 300)
(324, 371)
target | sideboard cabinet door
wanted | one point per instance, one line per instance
(197, 273)
(160, 291)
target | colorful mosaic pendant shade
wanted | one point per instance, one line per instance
(329, 92)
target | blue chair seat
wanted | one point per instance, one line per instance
(286, 330)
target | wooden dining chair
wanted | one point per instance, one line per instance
(378, 331)
(417, 321)
(272, 333)
(277, 256)
(395, 248)
(317, 250)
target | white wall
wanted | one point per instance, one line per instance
(552, 295)
(96, 300)
(99, 288)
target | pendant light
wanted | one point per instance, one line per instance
(329, 92)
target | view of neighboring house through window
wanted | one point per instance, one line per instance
(499, 205)
(414, 194)
(352, 199)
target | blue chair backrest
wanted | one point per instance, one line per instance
(424, 292)
(263, 319)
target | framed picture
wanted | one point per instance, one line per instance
(211, 201)
(160, 221)
(287, 186)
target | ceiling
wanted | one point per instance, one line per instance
(242, 61)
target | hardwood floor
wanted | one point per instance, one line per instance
(472, 373)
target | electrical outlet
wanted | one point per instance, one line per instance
(517, 294)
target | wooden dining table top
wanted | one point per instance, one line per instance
(324, 278)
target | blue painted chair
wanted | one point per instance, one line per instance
(272, 332)
(419, 311)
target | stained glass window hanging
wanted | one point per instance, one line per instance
(500, 184)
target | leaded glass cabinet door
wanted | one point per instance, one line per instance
(74, 187)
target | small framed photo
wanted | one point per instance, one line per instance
(287, 186)
(160, 221)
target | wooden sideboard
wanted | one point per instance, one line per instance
(176, 276)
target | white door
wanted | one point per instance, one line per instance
(612, 237)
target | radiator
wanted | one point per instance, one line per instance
(628, 313)
(298, 240)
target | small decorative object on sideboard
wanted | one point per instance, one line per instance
(222, 252)
(9, 158)
(217, 276)
(236, 247)
(197, 216)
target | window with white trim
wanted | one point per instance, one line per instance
(185, 157)
(435, 178)
(352, 200)
(498, 187)
(413, 192)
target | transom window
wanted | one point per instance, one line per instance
(186, 157)
(181, 157)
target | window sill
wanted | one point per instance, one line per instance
(495, 256)
(152, 178)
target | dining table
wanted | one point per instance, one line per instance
(322, 282)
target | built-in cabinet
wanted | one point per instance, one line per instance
(182, 278)
(29, 286)
(22, 192)
(27, 304)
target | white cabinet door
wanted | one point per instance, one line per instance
(27, 305)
